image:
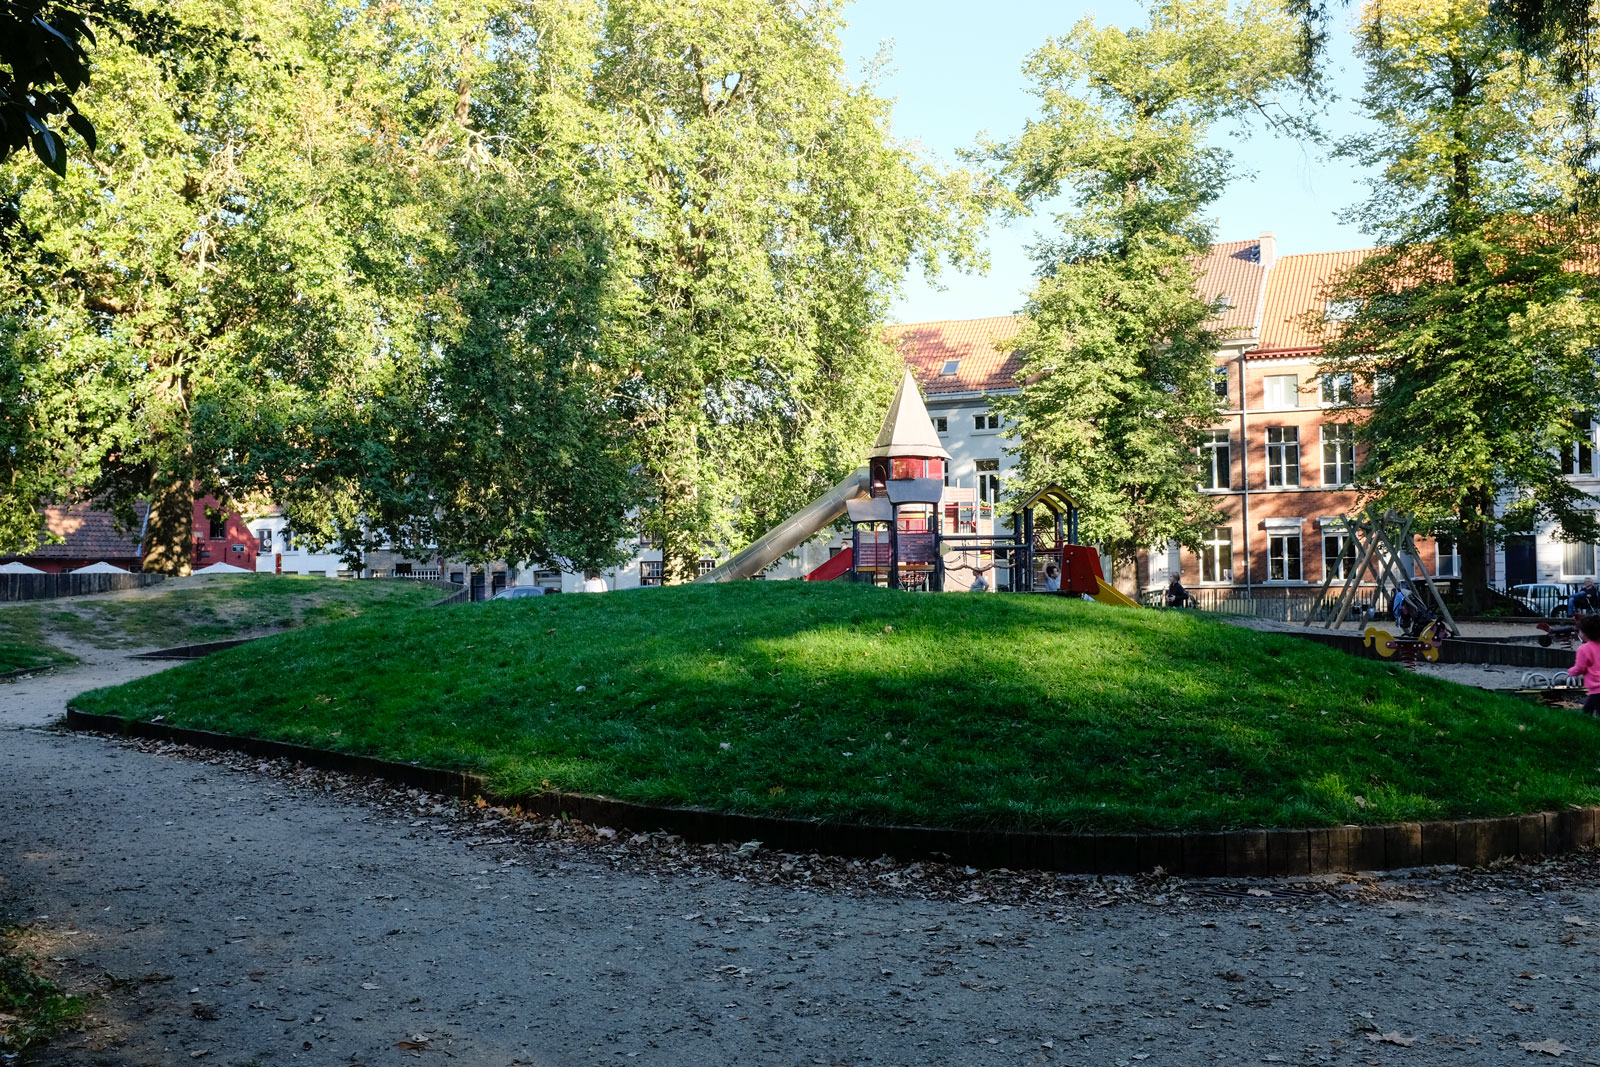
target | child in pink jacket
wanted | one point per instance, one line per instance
(1588, 662)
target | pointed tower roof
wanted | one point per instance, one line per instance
(907, 429)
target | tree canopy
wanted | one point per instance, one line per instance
(1118, 347)
(1473, 320)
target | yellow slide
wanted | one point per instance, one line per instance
(1107, 594)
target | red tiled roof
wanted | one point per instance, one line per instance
(1231, 268)
(1297, 287)
(927, 346)
(88, 533)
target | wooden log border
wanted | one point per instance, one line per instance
(1229, 853)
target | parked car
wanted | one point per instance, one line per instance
(1543, 599)
(514, 591)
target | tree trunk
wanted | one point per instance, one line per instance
(169, 532)
(1476, 519)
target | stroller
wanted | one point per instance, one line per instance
(1415, 617)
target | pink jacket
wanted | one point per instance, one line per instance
(1588, 665)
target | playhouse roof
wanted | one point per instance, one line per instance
(907, 429)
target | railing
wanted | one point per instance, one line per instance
(1281, 605)
(51, 586)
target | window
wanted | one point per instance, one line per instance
(1338, 453)
(1449, 558)
(985, 420)
(1337, 389)
(1219, 382)
(706, 566)
(941, 424)
(650, 572)
(402, 568)
(1283, 557)
(1216, 556)
(288, 539)
(1341, 310)
(1283, 390)
(235, 548)
(1577, 454)
(1338, 555)
(648, 540)
(457, 577)
(264, 536)
(989, 481)
(218, 528)
(950, 367)
(1577, 561)
(1216, 461)
(904, 467)
(1283, 455)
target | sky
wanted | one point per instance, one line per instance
(956, 71)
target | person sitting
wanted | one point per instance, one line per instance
(1178, 596)
(593, 583)
(1052, 579)
(1586, 601)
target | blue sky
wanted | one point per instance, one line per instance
(956, 71)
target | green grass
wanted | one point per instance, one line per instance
(32, 1009)
(23, 644)
(191, 611)
(848, 702)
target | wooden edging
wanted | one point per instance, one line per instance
(1230, 853)
(1455, 650)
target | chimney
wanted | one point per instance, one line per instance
(1269, 250)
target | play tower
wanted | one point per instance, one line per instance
(909, 530)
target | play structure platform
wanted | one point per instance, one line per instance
(909, 530)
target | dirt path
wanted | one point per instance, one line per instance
(221, 912)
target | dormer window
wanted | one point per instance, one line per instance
(951, 366)
(1342, 310)
(1225, 302)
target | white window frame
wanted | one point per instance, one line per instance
(1222, 382)
(1340, 467)
(1216, 458)
(1278, 555)
(1275, 383)
(1567, 549)
(985, 422)
(988, 481)
(951, 366)
(1211, 557)
(1446, 564)
(1344, 555)
(1278, 457)
(1343, 389)
(941, 424)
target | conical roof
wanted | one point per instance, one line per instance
(907, 429)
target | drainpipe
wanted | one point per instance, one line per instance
(1244, 472)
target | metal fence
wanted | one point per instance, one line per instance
(1281, 605)
(51, 586)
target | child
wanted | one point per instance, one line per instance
(1588, 662)
(1052, 579)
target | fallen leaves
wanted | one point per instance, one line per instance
(1549, 1046)
(1393, 1037)
(416, 1043)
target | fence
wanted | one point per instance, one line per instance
(1280, 605)
(51, 586)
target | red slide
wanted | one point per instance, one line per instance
(832, 569)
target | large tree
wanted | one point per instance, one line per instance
(1473, 318)
(313, 275)
(1117, 349)
(763, 218)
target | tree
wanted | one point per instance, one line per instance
(311, 275)
(763, 218)
(1117, 349)
(1473, 316)
(44, 60)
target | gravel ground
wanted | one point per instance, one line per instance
(215, 909)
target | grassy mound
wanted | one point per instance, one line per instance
(844, 701)
(194, 610)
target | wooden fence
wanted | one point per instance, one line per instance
(51, 586)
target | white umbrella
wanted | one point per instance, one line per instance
(222, 568)
(18, 568)
(101, 568)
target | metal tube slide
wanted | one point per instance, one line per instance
(792, 531)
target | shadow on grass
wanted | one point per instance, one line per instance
(842, 701)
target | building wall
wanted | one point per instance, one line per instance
(273, 555)
(236, 547)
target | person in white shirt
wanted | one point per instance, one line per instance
(1052, 579)
(593, 583)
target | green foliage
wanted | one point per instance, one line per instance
(477, 275)
(1118, 348)
(1476, 314)
(841, 701)
(32, 1008)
